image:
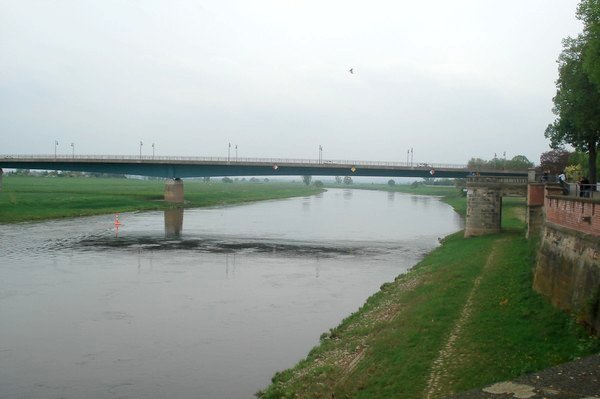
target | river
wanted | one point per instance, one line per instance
(206, 304)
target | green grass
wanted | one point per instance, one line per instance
(387, 349)
(37, 198)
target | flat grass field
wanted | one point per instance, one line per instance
(27, 198)
(464, 317)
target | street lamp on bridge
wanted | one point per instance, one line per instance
(141, 144)
(152, 150)
(55, 146)
(73, 149)
(320, 153)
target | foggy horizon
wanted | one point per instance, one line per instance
(451, 81)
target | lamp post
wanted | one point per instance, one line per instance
(407, 156)
(141, 144)
(320, 153)
(73, 149)
(236, 155)
(229, 153)
(152, 150)
(411, 156)
(55, 146)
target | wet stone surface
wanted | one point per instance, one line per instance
(579, 379)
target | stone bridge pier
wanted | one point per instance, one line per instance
(174, 191)
(484, 202)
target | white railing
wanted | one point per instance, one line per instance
(225, 160)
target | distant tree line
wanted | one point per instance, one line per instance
(63, 173)
(237, 179)
(518, 162)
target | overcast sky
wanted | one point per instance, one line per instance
(451, 79)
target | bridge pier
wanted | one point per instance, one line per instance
(174, 191)
(484, 211)
(484, 202)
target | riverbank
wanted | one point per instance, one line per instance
(28, 198)
(463, 317)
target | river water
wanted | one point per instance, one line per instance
(206, 304)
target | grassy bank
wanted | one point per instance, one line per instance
(465, 316)
(36, 198)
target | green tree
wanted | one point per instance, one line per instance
(518, 162)
(581, 159)
(306, 179)
(478, 164)
(588, 12)
(554, 161)
(576, 105)
(347, 180)
(391, 183)
(318, 184)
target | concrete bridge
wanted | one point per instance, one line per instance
(182, 167)
(485, 190)
(176, 168)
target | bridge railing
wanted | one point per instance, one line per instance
(229, 160)
(497, 179)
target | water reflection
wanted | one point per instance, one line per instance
(229, 265)
(348, 194)
(306, 204)
(173, 222)
(390, 197)
(422, 200)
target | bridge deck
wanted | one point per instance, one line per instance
(171, 167)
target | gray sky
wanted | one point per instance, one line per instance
(451, 79)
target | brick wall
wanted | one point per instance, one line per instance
(535, 193)
(574, 213)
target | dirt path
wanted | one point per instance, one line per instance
(448, 355)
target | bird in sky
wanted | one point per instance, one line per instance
(351, 70)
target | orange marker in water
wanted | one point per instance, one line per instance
(117, 223)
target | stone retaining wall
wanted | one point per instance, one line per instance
(567, 270)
